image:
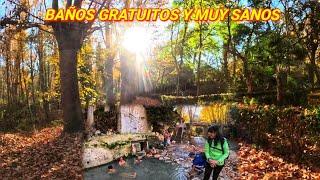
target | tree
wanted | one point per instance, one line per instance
(70, 37)
(86, 79)
(109, 64)
(42, 69)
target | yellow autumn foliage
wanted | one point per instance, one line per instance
(215, 113)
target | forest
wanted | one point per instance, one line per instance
(52, 73)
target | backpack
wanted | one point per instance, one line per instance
(199, 159)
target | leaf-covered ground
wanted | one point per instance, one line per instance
(259, 164)
(47, 154)
(51, 154)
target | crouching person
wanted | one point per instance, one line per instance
(198, 164)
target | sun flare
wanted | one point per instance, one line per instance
(137, 40)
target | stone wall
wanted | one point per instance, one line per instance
(104, 149)
(133, 119)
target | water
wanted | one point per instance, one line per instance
(199, 141)
(154, 169)
(149, 168)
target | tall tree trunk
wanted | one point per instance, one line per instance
(281, 82)
(42, 76)
(181, 55)
(194, 61)
(246, 68)
(234, 72)
(32, 75)
(225, 62)
(90, 120)
(248, 77)
(199, 60)
(70, 37)
(313, 39)
(198, 74)
(70, 99)
(178, 82)
(313, 67)
(15, 89)
(109, 81)
(128, 78)
(226, 49)
(176, 63)
(109, 68)
(7, 62)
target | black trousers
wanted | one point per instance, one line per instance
(216, 171)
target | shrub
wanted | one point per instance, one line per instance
(162, 115)
(18, 117)
(292, 132)
(204, 99)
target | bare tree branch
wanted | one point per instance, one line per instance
(93, 29)
(24, 25)
(25, 10)
(89, 25)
